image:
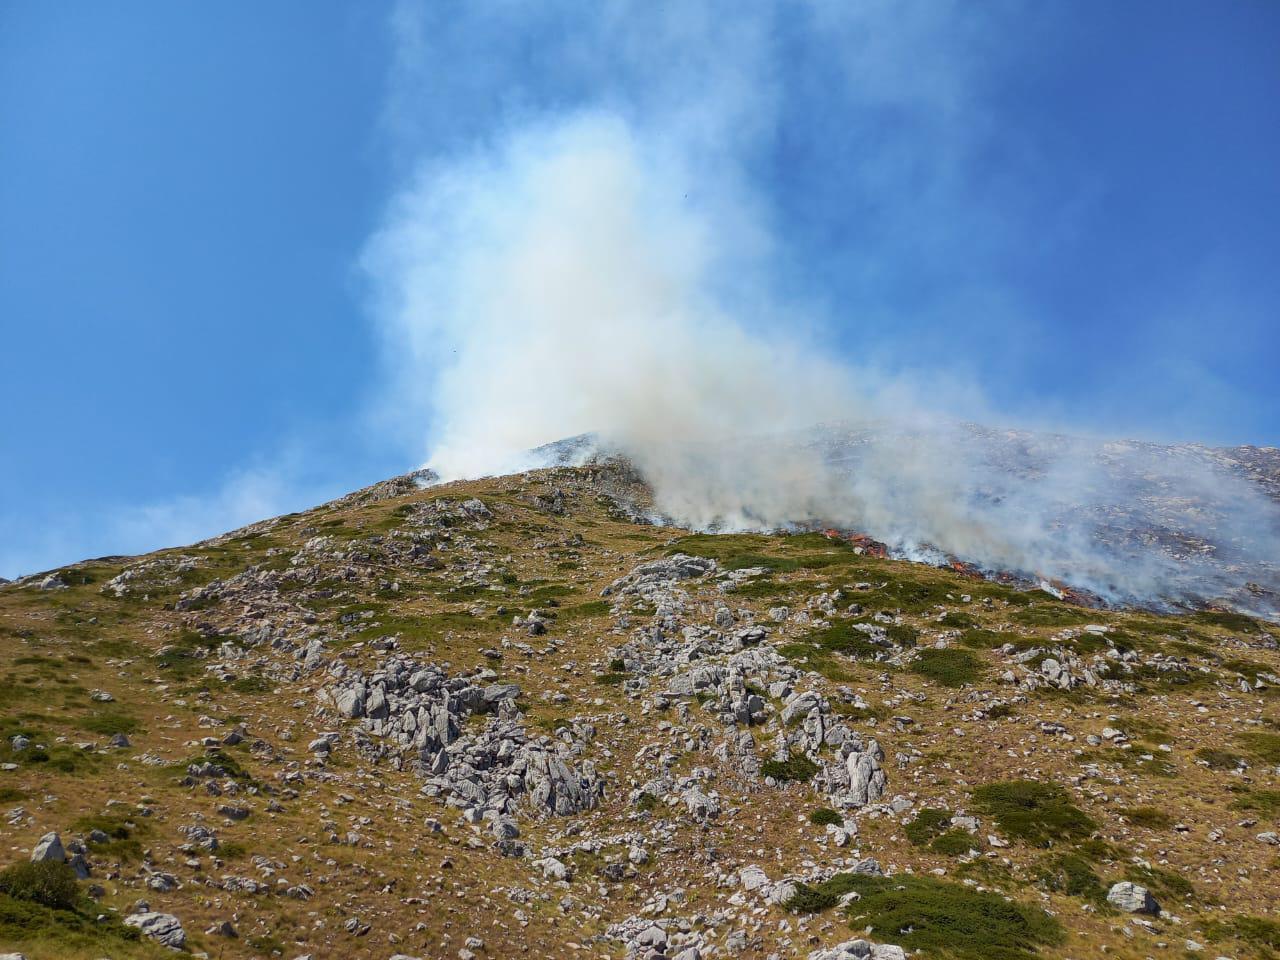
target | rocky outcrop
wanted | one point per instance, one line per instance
(413, 713)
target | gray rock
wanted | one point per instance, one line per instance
(504, 828)
(49, 848)
(164, 928)
(752, 878)
(1132, 898)
(350, 701)
(866, 780)
(860, 950)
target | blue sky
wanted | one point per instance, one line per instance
(1071, 208)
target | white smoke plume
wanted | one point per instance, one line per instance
(608, 271)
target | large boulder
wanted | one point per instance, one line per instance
(49, 848)
(164, 928)
(1132, 898)
(866, 779)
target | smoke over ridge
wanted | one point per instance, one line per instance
(607, 270)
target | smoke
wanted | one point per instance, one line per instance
(609, 269)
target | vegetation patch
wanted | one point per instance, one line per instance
(1039, 814)
(1165, 884)
(47, 883)
(954, 843)
(935, 917)
(929, 823)
(1073, 875)
(846, 639)
(1264, 746)
(1216, 759)
(825, 816)
(1235, 622)
(581, 611)
(986, 639)
(1258, 932)
(27, 924)
(1153, 818)
(1053, 614)
(109, 721)
(797, 769)
(949, 667)
(1264, 802)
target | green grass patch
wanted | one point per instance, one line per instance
(935, 916)
(906, 595)
(1218, 759)
(1263, 802)
(825, 816)
(1165, 884)
(109, 721)
(1052, 613)
(47, 883)
(1153, 818)
(1150, 679)
(949, 667)
(1073, 875)
(1037, 813)
(762, 588)
(581, 611)
(986, 639)
(780, 554)
(797, 769)
(1264, 746)
(1259, 932)
(930, 822)
(29, 925)
(954, 843)
(844, 638)
(253, 683)
(1235, 622)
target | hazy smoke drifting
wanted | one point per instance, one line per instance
(589, 254)
(564, 282)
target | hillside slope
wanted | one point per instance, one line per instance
(501, 718)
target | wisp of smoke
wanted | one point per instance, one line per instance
(562, 282)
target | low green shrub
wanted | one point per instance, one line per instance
(47, 883)
(954, 843)
(935, 917)
(1258, 932)
(1264, 802)
(1165, 884)
(1036, 813)
(1217, 759)
(825, 816)
(1151, 817)
(929, 823)
(1264, 746)
(1073, 875)
(949, 667)
(794, 769)
(985, 639)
